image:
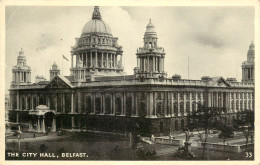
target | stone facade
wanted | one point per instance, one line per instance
(97, 96)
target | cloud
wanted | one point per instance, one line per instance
(207, 40)
(215, 39)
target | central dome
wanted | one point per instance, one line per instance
(96, 25)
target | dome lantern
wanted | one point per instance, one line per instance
(96, 14)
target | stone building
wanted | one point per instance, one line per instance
(97, 95)
(248, 67)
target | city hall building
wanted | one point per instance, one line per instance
(98, 95)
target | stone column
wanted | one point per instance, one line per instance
(63, 103)
(96, 62)
(246, 94)
(178, 102)
(251, 101)
(209, 99)
(122, 104)
(72, 105)
(71, 61)
(113, 104)
(163, 64)
(238, 108)
(72, 122)
(172, 102)
(17, 117)
(56, 102)
(30, 126)
(39, 124)
(26, 101)
(17, 100)
(94, 103)
(184, 103)
(165, 103)
(43, 125)
(230, 102)
(154, 105)
(136, 104)
(53, 127)
(235, 102)
(221, 99)
(192, 102)
(79, 102)
(133, 104)
(32, 96)
(115, 60)
(148, 69)
(102, 60)
(37, 100)
(91, 62)
(111, 60)
(107, 60)
(150, 104)
(137, 62)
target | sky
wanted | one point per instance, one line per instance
(215, 39)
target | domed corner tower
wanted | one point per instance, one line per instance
(54, 71)
(248, 67)
(150, 57)
(97, 49)
(21, 73)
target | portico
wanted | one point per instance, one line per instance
(39, 116)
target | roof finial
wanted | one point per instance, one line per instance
(150, 20)
(96, 14)
(21, 52)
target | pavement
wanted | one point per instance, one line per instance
(28, 137)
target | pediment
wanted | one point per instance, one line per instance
(220, 82)
(57, 82)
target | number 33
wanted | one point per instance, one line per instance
(249, 154)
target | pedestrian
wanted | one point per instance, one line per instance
(34, 136)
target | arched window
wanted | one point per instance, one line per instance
(159, 109)
(176, 125)
(142, 109)
(52, 101)
(175, 96)
(108, 105)
(42, 100)
(67, 102)
(34, 102)
(232, 105)
(88, 104)
(193, 95)
(29, 102)
(118, 106)
(182, 107)
(237, 104)
(181, 95)
(188, 107)
(98, 105)
(59, 103)
(175, 108)
(187, 95)
(245, 106)
(129, 106)
(193, 106)
(182, 124)
(241, 105)
(23, 103)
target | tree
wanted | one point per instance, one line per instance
(245, 123)
(205, 118)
